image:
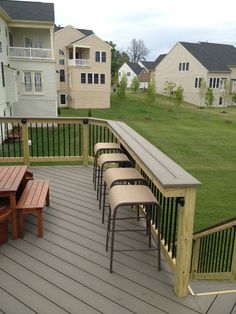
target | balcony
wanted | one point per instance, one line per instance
(79, 62)
(30, 53)
(67, 269)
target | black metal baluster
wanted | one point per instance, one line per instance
(19, 139)
(217, 250)
(167, 220)
(199, 266)
(209, 253)
(32, 141)
(64, 139)
(3, 139)
(162, 203)
(224, 251)
(48, 142)
(74, 139)
(53, 141)
(69, 138)
(174, 231)
(80, 140)
(8, 144)
(58, 138)
(42, 136)
(229, 249)
(170, 224)
(37, 140)
(213, 256)
(14, 144)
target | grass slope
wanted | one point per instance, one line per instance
(203, 142)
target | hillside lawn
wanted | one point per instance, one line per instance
(202, 141)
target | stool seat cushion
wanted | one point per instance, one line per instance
(100, 146)
(121, 195)
(112, 158)
(121, 174)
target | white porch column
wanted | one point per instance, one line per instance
(74, 48)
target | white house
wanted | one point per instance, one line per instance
(131, 70)
(28, 72)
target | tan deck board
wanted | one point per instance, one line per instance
(67, 270)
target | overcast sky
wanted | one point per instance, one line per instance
(160, 23)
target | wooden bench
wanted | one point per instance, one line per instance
(33, 199)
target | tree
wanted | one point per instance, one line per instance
(150, 93)
(117, 59)
(135, 84)
(169, 88)
(179, 96)
(234, 97)
(209, 97)
(202, 89)
(137, 50)
(122, 87)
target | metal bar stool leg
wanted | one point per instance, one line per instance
(94, 166)
(108, 227)
(104, 201)
(112, 240)
(98, 181)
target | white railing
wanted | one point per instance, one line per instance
(30, 53)
(78, 62)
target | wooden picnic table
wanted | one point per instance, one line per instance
(10, 179)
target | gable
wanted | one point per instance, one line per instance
(92, 40)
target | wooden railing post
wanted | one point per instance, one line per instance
(25, 139)
(184, 242)
(233, 273)
(85, 142)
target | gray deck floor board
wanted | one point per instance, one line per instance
(67, 270)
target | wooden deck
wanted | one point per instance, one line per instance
(67, 270)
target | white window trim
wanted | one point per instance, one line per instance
(33, 91)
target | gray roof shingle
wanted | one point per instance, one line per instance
(158, 59)
(28, 11)
(214, 57)
(86, 32)
(148, 65)
(135, 67)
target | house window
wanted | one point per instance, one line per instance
(61, 61)
(32, 82)
(97, 56)
(128, 73)
(83, 78)
(62, 75)
(61, 52)
(104, 56)
(3, 77)
(210, 83)
(220, 101)
(217, 82)
(38, 82)
(102, 78)
(180, 66)
(63, 99)
(28, 82)
(95, 78)
(214, 82)
(183, 66)
(90, 78)
(198, 81)
(0, 46)
(222, 83)
(187, 66)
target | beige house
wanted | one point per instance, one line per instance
(28, 73)
(188, 64)
(83, 68)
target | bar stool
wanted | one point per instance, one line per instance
(115, 176)
(129, 195)
(103, 147)
(104, 159)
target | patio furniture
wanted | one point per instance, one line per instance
(10, 180)
(104, 160)
(33, 199)
(4, 215)
(114, 176)
(105, 148)
(131, 195)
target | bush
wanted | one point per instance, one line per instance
(150, 94)
(122, 87)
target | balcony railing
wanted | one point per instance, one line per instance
(72, 139)
(79, 62)
(30, 53)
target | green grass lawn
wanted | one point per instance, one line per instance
(202, 141)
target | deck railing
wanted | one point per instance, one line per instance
(214, 252)
(30, 53)
(72, 139)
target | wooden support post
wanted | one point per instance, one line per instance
(184, 242)
(25, 139)
(85, 144)
(233, 272)
(195, 257)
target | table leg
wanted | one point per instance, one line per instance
(14, 217)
